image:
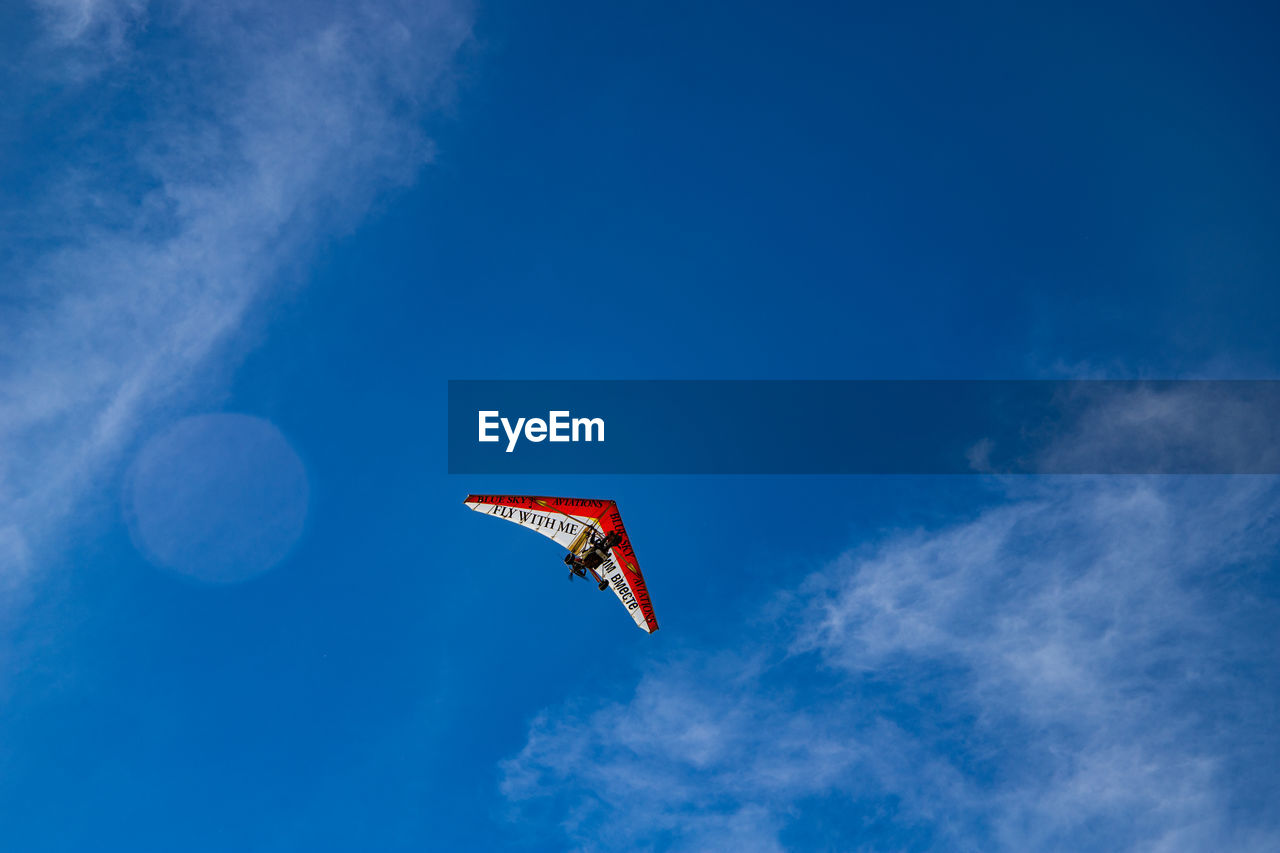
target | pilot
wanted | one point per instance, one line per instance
(593, 558)
(600, 550)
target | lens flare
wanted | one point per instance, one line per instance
(219, 497)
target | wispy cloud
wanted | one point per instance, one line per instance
(90, 35)
(1085, 666)
(226, 141)
(1218, 426)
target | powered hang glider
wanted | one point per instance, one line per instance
(592, 531)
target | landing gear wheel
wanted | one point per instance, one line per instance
(604, 585)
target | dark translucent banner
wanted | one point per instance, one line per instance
(865, 427)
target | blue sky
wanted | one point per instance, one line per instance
(289, 226)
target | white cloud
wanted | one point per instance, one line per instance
(100, 27)
(1189, 427)
(1080, 668)
(219, 154)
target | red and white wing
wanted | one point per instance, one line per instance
(623, 574)
(564, 520)
(568, 521)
